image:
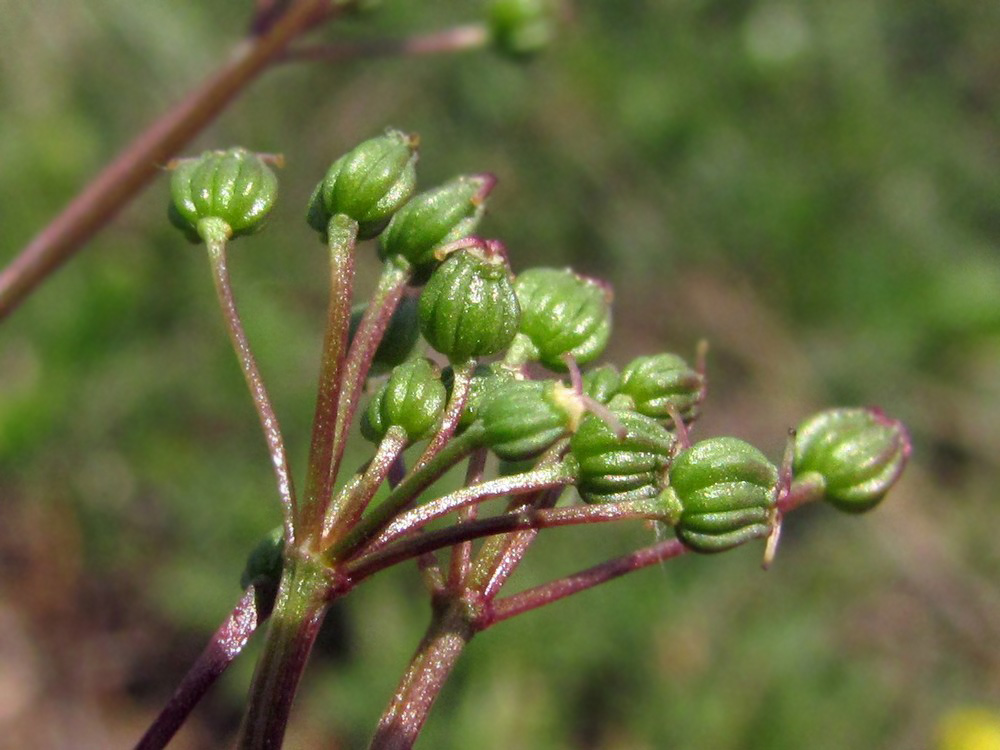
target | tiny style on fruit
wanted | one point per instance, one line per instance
(472, 391)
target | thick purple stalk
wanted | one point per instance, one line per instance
(342, 235)
(428, 670)
(303, 595)
(225, 645)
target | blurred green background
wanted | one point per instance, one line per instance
(810, 186)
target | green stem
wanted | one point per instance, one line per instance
(558, 475)
(430, 667)
(342, 235)
(302, 599)
(353, 500)
(265, 412)
(406, 492)
(500, 556)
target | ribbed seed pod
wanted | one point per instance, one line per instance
(602, 383)
(468, 308)
(859, 453)
(368, 184)
(400, 336)
(485, 380)
(661, 381)
(413, 398)
(435, 218)
(721, 494)
(615, 469)
(563, 313)
(522, 418)
(235, 187)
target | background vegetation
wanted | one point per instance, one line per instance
(810, 186)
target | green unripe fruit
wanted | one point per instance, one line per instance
(486, 379)
(435, 218)
(722, 493)
(234, 190)
(858, 453)
(524, 417)
(265, 561)
(400, 335)
(661, 381)
(368, 184)
(616, 469)
(413, 398)
(521, 27)
(602, 383)
(468, 308)
(563, 313)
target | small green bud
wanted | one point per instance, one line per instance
(602, 383)
(468, 308)
(563, 313)
(400, 335)
(859, 453)
(486, 379)
(722, 493)
(233, 189)
(368, 184)
(413, 398)
(435, 218)
(660, 382)
(265, 561)
(521, 27)
(615, 468)
(522, 418)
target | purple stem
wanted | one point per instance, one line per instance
(500, 557)
(125, 177)
(503, 609)
(370, 331)
(557, 475)
(352, 502)
(428, 670)
(225, 645)
(453, 412)
(524, 518)
(265, 412)
(303, 595)
(455, 39)
(800, 493)
(342, 235)
(461, 554)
